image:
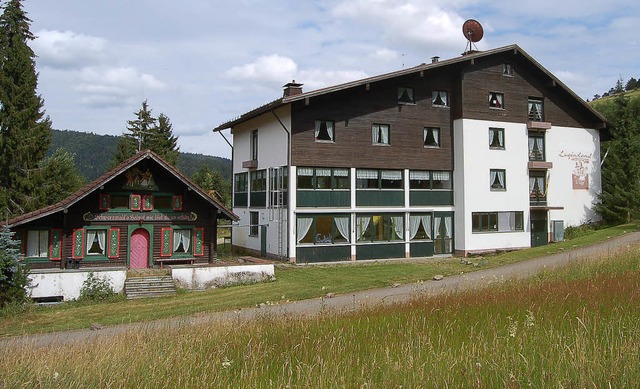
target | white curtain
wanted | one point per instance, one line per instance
(448, 232)
(330, 129)
(443, 97)
(375, 132)
(363, 224)
(436, 227)
(532, 142)
(342, 222)
(414, 225)
(504, 221)
(37, 243)
(305, 171)
(341, 172)
(418, 175)
(91, 236)
(391, 174)
(398, 226)
(320, 172)
(426, 224)
(318, 125)
(441, 176)
(303, 225)
(385, 134)
(532, 184)
(540, 145)
(501, 178)
(492, 177)
(181, 236)
(101, 238)
(367, 174)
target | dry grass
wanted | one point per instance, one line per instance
(573, 328)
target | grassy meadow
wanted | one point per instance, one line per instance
(576, 327)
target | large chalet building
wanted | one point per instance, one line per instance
(487, 151)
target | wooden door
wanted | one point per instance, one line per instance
(139, 249)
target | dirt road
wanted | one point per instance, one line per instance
(350, 301)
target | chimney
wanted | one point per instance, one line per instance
(435, 59)
(292, 89)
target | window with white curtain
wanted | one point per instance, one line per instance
(536, 147)
(439, 98)
(380, 228)
(38, 243)
(497, 179)
(323, 229)
(325, 131)
(420, 226)
(380, 134)
(96, 242)
(507, 69)
(496, 138)
(504, 221)
(405, 95)
(181, 240)
(496, 100)
(535, 109)
(431, 137)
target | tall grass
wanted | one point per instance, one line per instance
(571, 328)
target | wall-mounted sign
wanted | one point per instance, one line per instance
(580, 173)
(137, 217)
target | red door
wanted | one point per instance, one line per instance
(139, 249)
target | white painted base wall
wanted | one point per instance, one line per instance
(67, 283)
(212, 277)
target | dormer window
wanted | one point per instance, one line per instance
(507, 70)
(325, 131)
(536, 112)
(439, 98)
(405, 95)
(496, 100)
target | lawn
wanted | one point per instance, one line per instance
(575, 327)
(292, 283)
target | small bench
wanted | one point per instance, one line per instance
(174, 260)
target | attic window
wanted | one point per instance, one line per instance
(439, 98)
(496, 100)
(325, 131)
(405, 95)
(507, 70)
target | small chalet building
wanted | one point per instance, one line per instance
(141, 214)
(487, 151)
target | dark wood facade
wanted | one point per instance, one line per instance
(143, 193)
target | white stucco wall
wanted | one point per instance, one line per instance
(208, 277)
(67, 283)
(272, 152)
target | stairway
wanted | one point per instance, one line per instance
(148, 287)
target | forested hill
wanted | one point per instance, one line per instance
(93, 153)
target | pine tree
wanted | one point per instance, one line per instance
(213, 183)
(163, 142)
(25, 132)
(620, 198)
(57, 178)
(13, 276)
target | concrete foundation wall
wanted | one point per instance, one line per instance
(67, 283)
(211, 277)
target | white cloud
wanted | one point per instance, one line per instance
(266, 70)
(114, 86)
(66, 49)
(317, 78)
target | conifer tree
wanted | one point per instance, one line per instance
(25, 132)
(163, 142)
(13, 276)
(620, 198)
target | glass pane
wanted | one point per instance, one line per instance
(324, 232)
(442, 180)
(379, 228)
(342, 182)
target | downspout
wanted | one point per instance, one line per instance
(233, 188)
(288, 174)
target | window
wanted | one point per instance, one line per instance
(325, 131)
(496, 100)
(181, 241)
(431, 137)
(38, 243)
(278, 177)
(379, 228)
(323, 178)
(380, 134)
(496, 138)
(254, 145)
(430, 180)
(96, 242)
(537, 187)
(378, 179)
(119, 201)
(420, 226)
(497, 179)
(240, 183)
(507, 69)
(439, 98)
(259, 181)
(405, 95)
(323, 229)
(497, 221)
(163, 202)
(536, 112)
(253, 223)
(536, 146)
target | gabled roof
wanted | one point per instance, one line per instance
(110, 175)
(420, 68)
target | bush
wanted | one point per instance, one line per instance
(96, 288)
(581, 230)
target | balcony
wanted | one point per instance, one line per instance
(252, 164)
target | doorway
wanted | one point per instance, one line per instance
(139, 249)
(539, 229)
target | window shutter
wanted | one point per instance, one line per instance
(135, 202)
(147, 202)
(55, 245)
(166, 242)
(105, 202)
(176, 201)
(198, 244)
(78, 244)
(113, 250)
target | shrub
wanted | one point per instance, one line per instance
(96, 288)
(573, 232)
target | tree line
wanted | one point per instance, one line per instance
(620, 87)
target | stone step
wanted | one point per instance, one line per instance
(149, 287)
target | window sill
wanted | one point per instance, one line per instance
(325, 141)
(404, 103)
(497, 108)
(440, 106)
(496, 148)
(381, 144)
(431, 147)
(499, 190)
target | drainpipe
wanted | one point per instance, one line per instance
(288, 174)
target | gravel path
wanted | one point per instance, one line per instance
(346, 302)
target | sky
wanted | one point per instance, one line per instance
(205, 62)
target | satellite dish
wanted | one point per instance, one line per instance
(473, 32)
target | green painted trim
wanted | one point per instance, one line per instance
(430, 197)
(130, 229)
(380, 251)
(380, 198)
(323, 198)
(312, 254)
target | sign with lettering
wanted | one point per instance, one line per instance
(580, 173)
(137, 217)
